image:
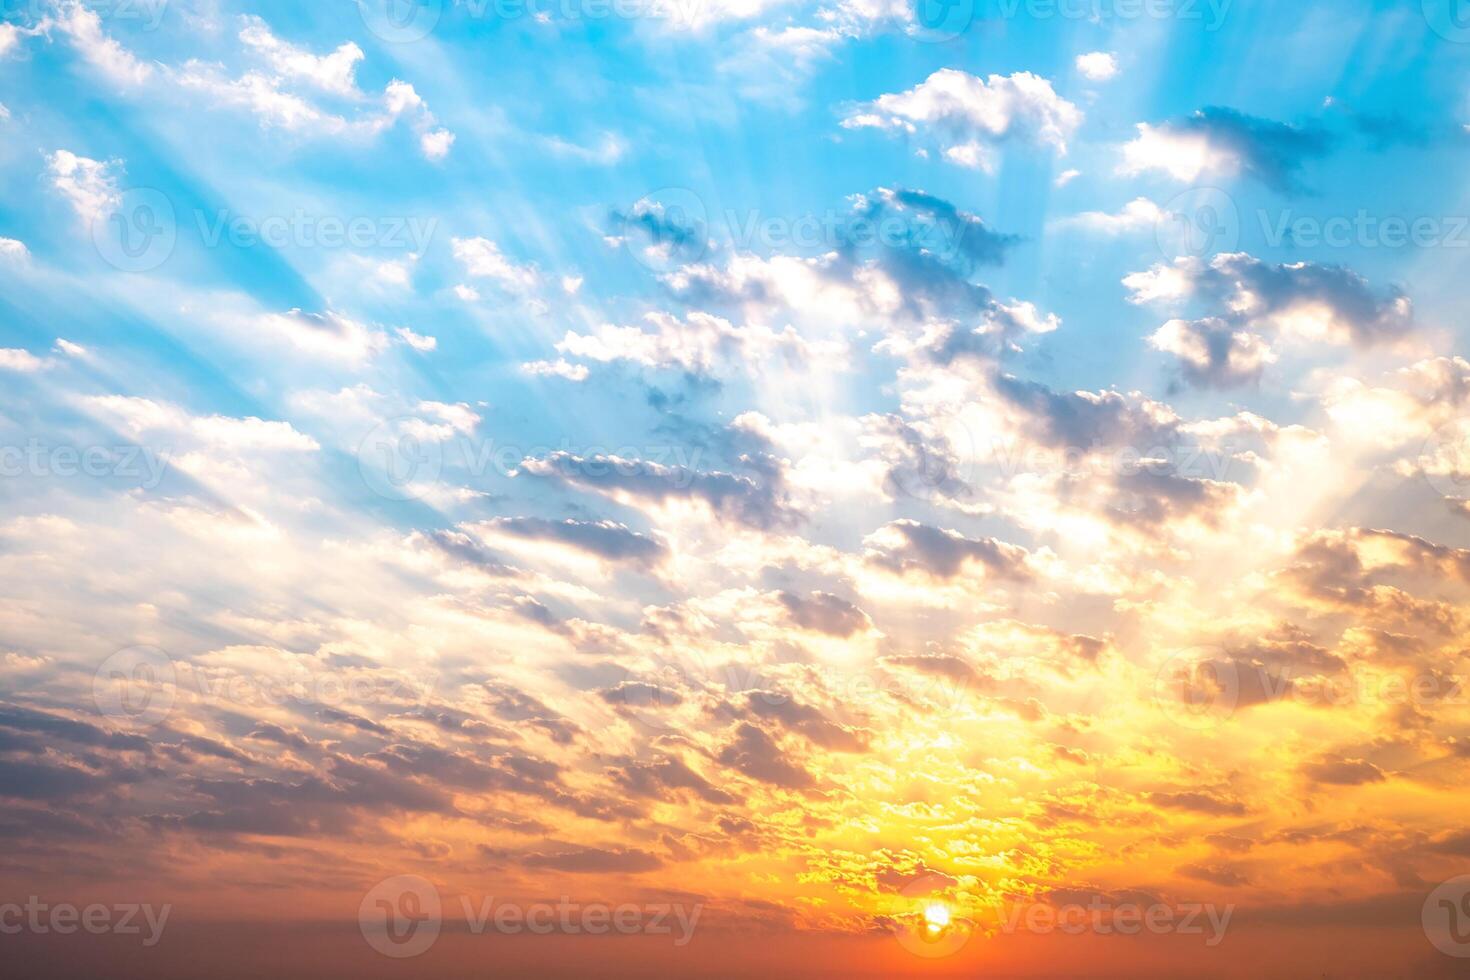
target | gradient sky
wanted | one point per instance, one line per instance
(812, 460)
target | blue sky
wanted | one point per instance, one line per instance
(515, 353)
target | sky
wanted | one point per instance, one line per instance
(865, 485)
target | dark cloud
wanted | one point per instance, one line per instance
(1271, 152)
(757, 755)
(944, 554)
(593, 860)
(804, 720)
(825, 613)
(606, 539)
(758, 499)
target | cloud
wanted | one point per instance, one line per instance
(1220, 142)
(825, 613)
(328, 335)
(482, 259)
(970, 118)
(605, 539)
(1214, 353)
(1252, 303)
(89, 185)
(1139, 214)
(905, 546)
(758, 499)
(593, 860)
(335, 73)
(1097, 66)
(14, 359)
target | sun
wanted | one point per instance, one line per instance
(936, 916)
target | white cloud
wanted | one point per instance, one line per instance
(13, 359)
(90, 185)
(1097, 66)
(559, 368)
(482, 259)
(1137, 214)
(1066, 177)
(417, 341)
(326, 335)
(335, 72)
(84, 28)
(969, 117)
(436, 143)
(140, 415)
(13, 250)
(1185, 156)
